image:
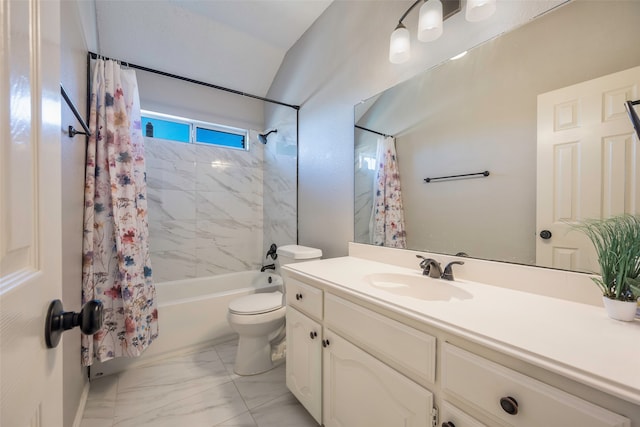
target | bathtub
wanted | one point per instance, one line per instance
(193, 313)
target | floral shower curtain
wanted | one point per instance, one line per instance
(387, 216)
(116, 268)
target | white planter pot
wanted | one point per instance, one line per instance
(620, 310)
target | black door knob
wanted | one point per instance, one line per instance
(448, 424)
(57, 321)
(509, 405)
(545, 234)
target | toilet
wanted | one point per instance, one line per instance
(259, 318)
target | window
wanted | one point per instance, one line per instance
(156, 125)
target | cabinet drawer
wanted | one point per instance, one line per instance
(450, 416)
(407, 349)
(483, 384)
(304, 297)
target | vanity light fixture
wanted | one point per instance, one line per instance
(430, 21)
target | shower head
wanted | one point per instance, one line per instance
(263, 136)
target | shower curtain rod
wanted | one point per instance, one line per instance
(198, 82)
(373, 131)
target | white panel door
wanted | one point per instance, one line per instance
(304, 361)
(30, 217)
(361, 391)
(588, 159)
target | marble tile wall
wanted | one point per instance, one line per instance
(205, 209)
(280, 181)
(364, 155)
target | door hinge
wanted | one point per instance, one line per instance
(434, 416)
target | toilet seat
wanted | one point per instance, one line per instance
(256, 303)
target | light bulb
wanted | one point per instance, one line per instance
(430, 21)
(477, 10)
(399, 45)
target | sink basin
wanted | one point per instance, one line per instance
(416, 286)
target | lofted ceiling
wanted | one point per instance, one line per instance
(238, 44)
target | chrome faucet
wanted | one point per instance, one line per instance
(448, 270)
(430, 267)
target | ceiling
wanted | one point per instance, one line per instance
(238, 44)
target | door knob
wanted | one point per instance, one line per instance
(57, 321)
(545, 234)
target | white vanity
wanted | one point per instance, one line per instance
(376, 344)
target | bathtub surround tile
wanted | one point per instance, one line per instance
(251, 158)
(173, 265)
(216, 176)
(172, 235)
(176, 175)
(221, 259)
(284, 411)
(156, 148)
(226, 205)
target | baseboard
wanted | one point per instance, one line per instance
(81, 405)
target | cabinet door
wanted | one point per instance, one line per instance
(361, 391)
(304, 361)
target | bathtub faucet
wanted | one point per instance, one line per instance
(268, 267)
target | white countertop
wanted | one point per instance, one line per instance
(575, 340)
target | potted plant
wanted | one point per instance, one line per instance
(617, 244)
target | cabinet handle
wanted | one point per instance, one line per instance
(448, 424)
(298, 297)
(313, 334)
(325, 343)
(509, 405)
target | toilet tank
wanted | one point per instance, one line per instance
(289, 254)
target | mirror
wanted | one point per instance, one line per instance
(479, 113)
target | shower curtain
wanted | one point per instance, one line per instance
(387, 226)
(116, 267)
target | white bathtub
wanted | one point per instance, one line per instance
(193, 313)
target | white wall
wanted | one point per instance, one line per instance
(339, 61)
(77, 35)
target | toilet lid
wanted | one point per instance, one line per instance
(256, 303)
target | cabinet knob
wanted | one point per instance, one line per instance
(509, 405)
(313, 334)
(325, 343)
(448, 424)
(298, 297)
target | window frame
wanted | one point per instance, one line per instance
(194, 125)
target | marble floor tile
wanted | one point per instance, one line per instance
(244, 420)
(257, 390)
(284, 411)
(101, 401)
(202, 408)
(227, 352)
(197, 389)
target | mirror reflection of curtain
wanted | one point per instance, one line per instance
(387, 226)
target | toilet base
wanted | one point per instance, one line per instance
(254, 356)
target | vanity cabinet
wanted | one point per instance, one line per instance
(304, 361)
(304, 348)
(353, 366)
(516, 399)
(361, 391)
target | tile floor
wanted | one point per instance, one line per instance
(198, 389)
